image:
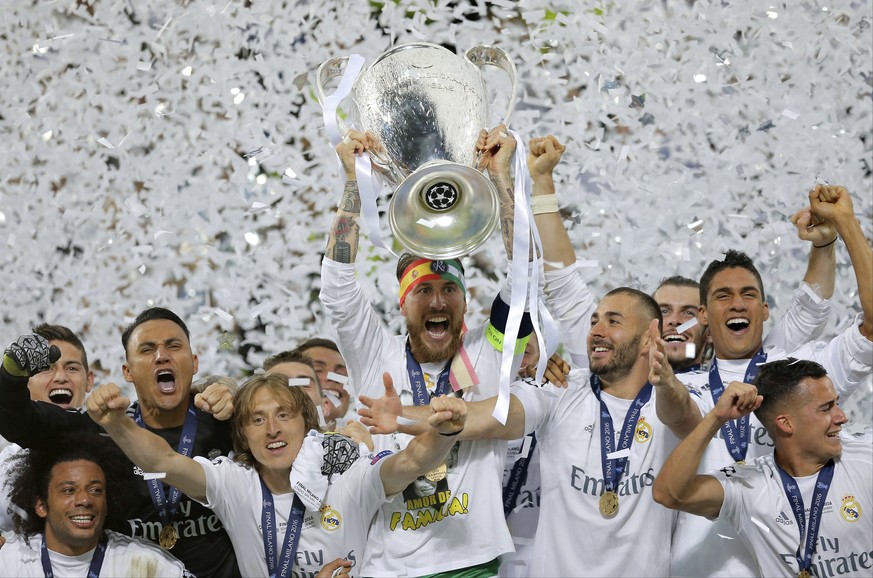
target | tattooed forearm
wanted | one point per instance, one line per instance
(351, 201)
(507, 216)
(343, 244)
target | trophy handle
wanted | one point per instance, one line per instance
(328, 70)
(483, 54)
(335, 68)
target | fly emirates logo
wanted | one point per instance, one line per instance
(631, 484)
(829, 560)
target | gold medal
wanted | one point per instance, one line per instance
(168, 537)
(608, 504)
(437, 474)
(804, 574)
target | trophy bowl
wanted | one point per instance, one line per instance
(427, 105)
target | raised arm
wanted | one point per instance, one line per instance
(821, 268)
(428, 450)
(543, 155)
(678, 486)
(25, 422)
(342, 240)
(381, 416)
(673, 402)
(834, 204)
(496, 149)
(107, 407)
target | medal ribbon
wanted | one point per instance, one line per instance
(420, 395)
(166, 506)
(93, 568)
(614, 468)
(517, 478)
(736, 433)
(792, 491)
(283, 566)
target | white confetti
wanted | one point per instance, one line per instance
(343, 379)
(687, 325)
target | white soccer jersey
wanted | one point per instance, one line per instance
(125, 556)
(571, 304)
(464, 527)
(573, 538)
(338, 530)
(710, 548)
(755, 504)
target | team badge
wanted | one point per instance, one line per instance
(643, 431)
(330, 519)
(850, 509)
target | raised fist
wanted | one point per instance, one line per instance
(29, 355)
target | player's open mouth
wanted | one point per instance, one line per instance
(83, 520)
(737, 324)
(675, 338)
(166, 381)
(61, 396)
(276, 447)
(437, 326)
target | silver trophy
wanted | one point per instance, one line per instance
(427, 105)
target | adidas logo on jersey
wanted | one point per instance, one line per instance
(783, 519)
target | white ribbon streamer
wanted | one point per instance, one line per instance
(367, 187)
(520, 278)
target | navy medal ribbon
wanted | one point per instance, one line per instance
(166, 506)
(736, 433)
(420, 395)
(809, 539)
(517, 478)
(93, 568)
(281, 567)
(614, 468)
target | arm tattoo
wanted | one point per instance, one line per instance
(345, 232)
(351, 201)
(507, 220)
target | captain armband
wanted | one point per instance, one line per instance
(497, 326)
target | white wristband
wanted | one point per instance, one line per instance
(544, 204)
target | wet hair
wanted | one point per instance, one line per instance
(293, 399)
(650, 308)
(65, 334)
(152, 314)
(778, 382)
(31, 471)
(732, 259)
(678, 281)
(317, 342)
(407, 259)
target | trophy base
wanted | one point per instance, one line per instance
(443, 210)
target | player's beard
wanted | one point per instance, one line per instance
(425, 353)
(621, 362)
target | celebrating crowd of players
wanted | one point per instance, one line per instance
(672, 401)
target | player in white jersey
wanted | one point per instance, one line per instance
(734, 308)
(465, 527)
(601, 440)
(805, 509)
(67, 497)
(281, 520)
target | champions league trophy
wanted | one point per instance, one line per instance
(427, 105)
